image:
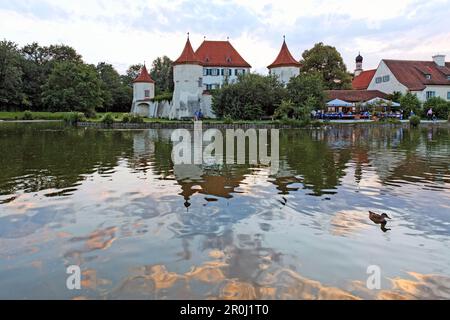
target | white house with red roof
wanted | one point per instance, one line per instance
(285, 66)
(426, 79)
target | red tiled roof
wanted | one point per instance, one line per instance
(284, 59)
(362, 81)
(412, 74)
(355, 95)
(220, 54)
(144, 76)
(187, 56)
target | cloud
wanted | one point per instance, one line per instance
(130, 31)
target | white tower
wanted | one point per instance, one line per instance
(143, 92)
(359, 65)
(188, 81)
(285, 66)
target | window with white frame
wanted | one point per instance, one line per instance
(430, 94)
(448, 95)
(378, 80)
(147, 93)
(428, 76)
(386, 78)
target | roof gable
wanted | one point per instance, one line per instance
(413, 74)
(187, 56)
(362, 81)
(284, 58)
(220, 54)
(355, 95)
(144, 76)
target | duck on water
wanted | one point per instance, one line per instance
(380, 219)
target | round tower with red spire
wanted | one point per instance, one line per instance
(285, 66)
(188, 80)
(143, 92)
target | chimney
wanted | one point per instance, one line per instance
(439, 59)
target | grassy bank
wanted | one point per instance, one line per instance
(10, 116)
(20, 115)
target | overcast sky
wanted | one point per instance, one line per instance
(124, 32)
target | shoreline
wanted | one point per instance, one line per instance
(219, 125)
(190, 125)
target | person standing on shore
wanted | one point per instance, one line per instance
(430, 114)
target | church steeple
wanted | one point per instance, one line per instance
(359, 64)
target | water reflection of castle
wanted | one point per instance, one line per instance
(314, 160)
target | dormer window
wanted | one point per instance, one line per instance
(207, 59)
(428, 76)
(229, 60)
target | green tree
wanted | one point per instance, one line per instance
(250, 98)
(61, 53)
(115, 94)
(327, 61)
(39, 62)
(305, 89)
(286, 110)
(131, 74)
(35, 73)
(409, 102)
(11, 88)
(396, 96)
(441, 107)
(162, 73)
(73, 87)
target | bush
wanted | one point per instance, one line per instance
(414, 121)
(27, 115)
(250, 98)
(410, 102)
(391, 120)
(440, 107)
(91, 114)
(74, 117)
(165, 96)
(227, 119)
(135, 118)
(108, 119)
(126, 118)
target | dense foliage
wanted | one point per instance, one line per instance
(441, 107)
(251, 97)
(327, 62)
(410, 103)
(55, 78)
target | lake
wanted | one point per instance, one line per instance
(140, 227)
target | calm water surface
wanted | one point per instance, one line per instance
(140, 227)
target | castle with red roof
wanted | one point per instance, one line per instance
(198, 72)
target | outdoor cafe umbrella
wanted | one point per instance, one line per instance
(381, 102)
(339, 103)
